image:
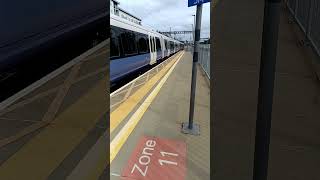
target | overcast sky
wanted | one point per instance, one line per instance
(163, 14)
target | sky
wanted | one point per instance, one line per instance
(163, 14)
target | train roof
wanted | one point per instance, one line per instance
(123, 23)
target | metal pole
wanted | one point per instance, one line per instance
(191, 128)
(193, 29)
(192, 35)
(192, 32)
(266, 84)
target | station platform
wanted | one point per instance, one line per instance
(57, 126)
(146, 141)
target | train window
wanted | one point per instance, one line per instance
(147, 40)
(129, 43)
(171, 45)
(165, 44)
(152, 44)
(143, 44)
(115, 51)
(158, 46)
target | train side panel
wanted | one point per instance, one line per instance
(23, 19)
(31, 27)
(124, 66)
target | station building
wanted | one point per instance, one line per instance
(116, 10)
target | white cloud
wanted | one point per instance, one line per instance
(163, 14)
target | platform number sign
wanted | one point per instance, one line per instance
(197, 2)
(157, 159)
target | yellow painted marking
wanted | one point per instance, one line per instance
(119, 114)
(124, 133)
(43, 153)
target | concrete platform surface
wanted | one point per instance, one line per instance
(155, 121)
(57, 126)
(294, 149)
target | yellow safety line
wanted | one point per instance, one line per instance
(119, 114)
(124, 133)
(44, 152)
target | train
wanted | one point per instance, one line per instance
(35, 29)
(133, 46)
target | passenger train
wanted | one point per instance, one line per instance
(134, 47)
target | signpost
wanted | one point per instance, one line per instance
(196, 2)
(189, 127)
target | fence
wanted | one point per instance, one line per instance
(204, 58)
(307, 14)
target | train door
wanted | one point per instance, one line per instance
(163, 46)
(168, 48)
(155, 49)
(153, 53)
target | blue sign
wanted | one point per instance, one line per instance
(196, 2)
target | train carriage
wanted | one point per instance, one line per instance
(134, 47)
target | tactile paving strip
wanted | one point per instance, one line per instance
(122, 94)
